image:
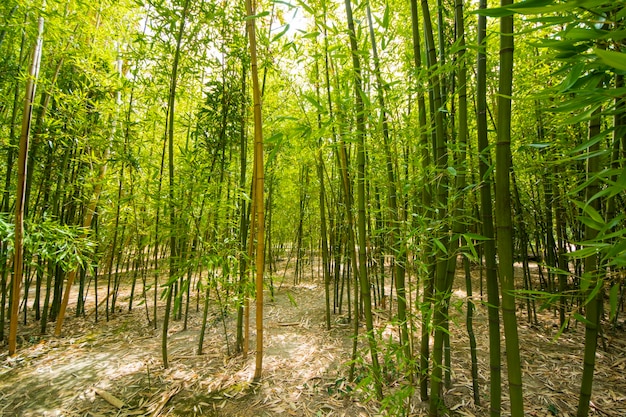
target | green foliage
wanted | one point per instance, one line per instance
(50, 241)
(292, 300)
(395, 404)
(613, 59)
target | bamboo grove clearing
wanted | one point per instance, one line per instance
(312, 208)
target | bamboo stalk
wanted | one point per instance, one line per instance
(22, 168)
(258, 186)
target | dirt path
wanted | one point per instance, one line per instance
(114, 368)
(76, 374)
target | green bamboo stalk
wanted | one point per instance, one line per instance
(594, 302)
(441, 200)
(426, 200)
(172, 202)
(460, 160)
(322, 197)
(469, 318)
(361, 224)
(486, 210)
(504, 215)
(397, 246)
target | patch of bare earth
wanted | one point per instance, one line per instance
(114, 368)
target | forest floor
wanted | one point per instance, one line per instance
(114, 368)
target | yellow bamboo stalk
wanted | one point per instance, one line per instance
(18, 263)
(258, 186)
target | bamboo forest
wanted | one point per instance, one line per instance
(312, 208)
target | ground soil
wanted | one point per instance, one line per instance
(114, 368)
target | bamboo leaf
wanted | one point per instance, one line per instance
(613, 59)
(385, 22)
(583, 253)
(591, 223)
(277, 140)
(616, 35)
(292, 300)
(580, 117)
(311, 35)
(617, 249)
(534, 6)
(474, 236)
(561, 330)
(590, 211)
(524, 7)
(470, 245)
(556, 44)
(366, 99)
(494, 12)
(286, 3)
(594, 292)
(583, 34)
(315, 103)
(171, 280)
(440, 245)
(579, 317)
(619, 261)
(551, 20)
(306, 7)
(586, 144)
(572, 77)
(281, 34)
(258, 15)
(612, 224)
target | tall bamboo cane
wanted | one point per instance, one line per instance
(259, 182)
(504, 216)
(22, 169)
